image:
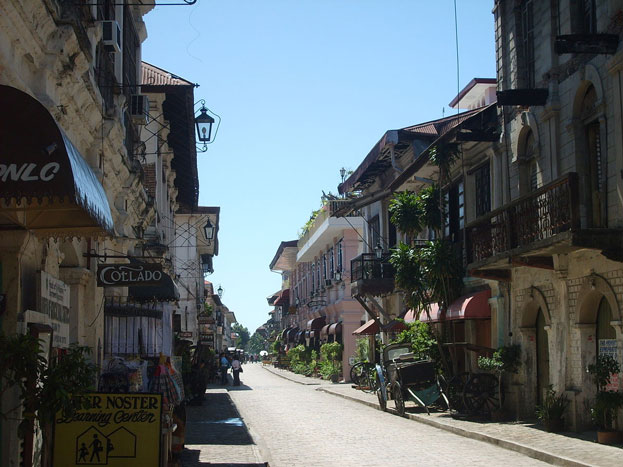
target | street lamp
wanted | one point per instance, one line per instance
(378, 249)
(219, 291)
(208, 231)
(343, 173)
(204, 123)
(338, 275)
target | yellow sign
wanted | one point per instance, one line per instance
(117, 430)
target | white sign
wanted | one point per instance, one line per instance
(53, 302)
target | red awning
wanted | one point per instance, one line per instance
(283, 298)
(394, 326)
(370, 328)
(472, 306)
(315, 324)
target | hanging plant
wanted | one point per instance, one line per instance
(406, 213)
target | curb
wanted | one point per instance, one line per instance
(505, 444)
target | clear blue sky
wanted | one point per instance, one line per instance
(305, 87)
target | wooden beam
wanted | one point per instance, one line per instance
(502, 275)
(541, 262)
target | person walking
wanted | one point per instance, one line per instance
(236, 368)
(224, 363)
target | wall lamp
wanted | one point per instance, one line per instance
(203, 125)
(208, 231)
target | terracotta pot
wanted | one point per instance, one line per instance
(609, 437)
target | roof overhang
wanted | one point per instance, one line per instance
(285, 258)
(45, 184)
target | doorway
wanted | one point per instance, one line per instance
(542, 357)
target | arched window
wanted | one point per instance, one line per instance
(605, 331)
(529, 176)
(593, 165)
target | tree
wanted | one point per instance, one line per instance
(257, 343)
(44, 387)
(243, 335)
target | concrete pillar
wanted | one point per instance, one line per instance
(77, 279)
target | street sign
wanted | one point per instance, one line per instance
(117, 430)
(123, 275)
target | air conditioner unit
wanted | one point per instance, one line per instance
(111, 36)
(328, 282)
(139, 109)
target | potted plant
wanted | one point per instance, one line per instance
(330, 364)
(551, 412)
(607, 403)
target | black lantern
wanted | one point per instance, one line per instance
(208, 231)
(206, 268)
(338, 275)
(378, 249)
(219, 291)
(343, 173)
(204, 125)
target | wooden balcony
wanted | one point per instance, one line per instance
(530, 229)
(371, 275)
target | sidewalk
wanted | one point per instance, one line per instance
(570, 449)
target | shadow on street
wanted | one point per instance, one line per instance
(216, 421)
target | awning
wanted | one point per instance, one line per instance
(165, 293)
(394, 326)
(291, 335)
(283, 298)
(300, 337)
(316, 323)
(48, 186)
(472, 306)
(324, 332)
(370, 328)
(335, 329)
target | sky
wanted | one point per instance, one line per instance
(303, 88)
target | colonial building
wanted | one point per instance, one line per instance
(554, 238)
(96, 164)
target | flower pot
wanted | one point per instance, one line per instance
(554, 425)
(609, 437)
(335, 378)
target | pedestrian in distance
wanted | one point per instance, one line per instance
(224, 364)
(236, 368)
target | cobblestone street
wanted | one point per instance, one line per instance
(271, 419)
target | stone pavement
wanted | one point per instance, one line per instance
(216, 435)
(569, 449)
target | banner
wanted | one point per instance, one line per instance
(118, 430)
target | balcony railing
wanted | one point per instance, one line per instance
(328, 210)
(372, 275)
(549, 211)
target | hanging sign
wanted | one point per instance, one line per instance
(53, 305)
(117, 430)
(124, 275)
(206, 339)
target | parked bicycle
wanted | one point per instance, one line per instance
(363, 376)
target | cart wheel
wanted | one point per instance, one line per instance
(399, 399)
(481, 396)
(382, 401)
(454, 391)
(355, 373)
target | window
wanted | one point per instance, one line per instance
(340, 265)
(455, 212)
(391, 234)
(318, 276)
(375, 232)
(527, 36)
(331, 263)
(588, 16)
(325, 276)
(313, 278)
(593, 160)
(482, 178)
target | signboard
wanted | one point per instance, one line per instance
(185, 334)
(53, 302)
(124, 275)
(205, 320)
(117, 430)
(609, 347)
(206, 339)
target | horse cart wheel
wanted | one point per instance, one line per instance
(399, 399)
(480, 395)
(454, 390)
(382, 401)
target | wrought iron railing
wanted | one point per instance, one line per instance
(367, 266)
(548, 211)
